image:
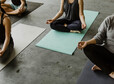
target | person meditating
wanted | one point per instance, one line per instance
(6, 41)
(74, 20)
(101, 55)
(16, 8)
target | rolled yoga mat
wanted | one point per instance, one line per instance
(93, 77)
(66, 42)
(31, 6)
(22, 35)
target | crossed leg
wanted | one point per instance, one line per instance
(9, 10)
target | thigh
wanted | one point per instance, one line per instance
(6, 5)
(61, 21)
(99, 52)
(75, 25)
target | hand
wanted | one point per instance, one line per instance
(49, 21)
(83, 26)
(1, 52)
(82, 44)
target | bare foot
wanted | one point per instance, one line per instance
(75, 31)
(65, 25)
(95, 67)
(111, 75)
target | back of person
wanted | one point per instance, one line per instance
(71, 10)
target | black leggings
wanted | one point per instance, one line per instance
(101, 57)
(71, 25)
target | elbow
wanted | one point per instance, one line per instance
(60, 13)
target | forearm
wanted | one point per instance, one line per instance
(3, 1)
(6, 43)
(82, 18)
(22, 3)
(13, 12)
(91, 41)
(59, 14)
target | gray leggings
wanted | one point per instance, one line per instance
(7, 53)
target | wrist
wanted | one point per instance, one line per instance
(87, 42)
(3, 50)
(52, 19)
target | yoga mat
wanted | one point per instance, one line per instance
(22, 35)
(31, 6)
(93, 77)
(66, 42)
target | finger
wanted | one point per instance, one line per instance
(84, 46)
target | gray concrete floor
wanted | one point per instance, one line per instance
(35, 65)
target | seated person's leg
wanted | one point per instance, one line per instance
(7, 53)
(59, 25)
(100, 57)
(75, 26)
(12, 9)
(7, 7)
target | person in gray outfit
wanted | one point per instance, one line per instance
(101, 55)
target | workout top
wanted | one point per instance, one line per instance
(71, 10)
(17, 2)
(2, 31)
(106, 33)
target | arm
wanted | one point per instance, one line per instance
(99, 37)
(59, 14)
(21, 8)
(7, 25)
(3, 1)
(22, 4)
(83, 44)
(81, 14)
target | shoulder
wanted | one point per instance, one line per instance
(109, 19)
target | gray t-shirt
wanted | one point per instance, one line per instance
(106, 33)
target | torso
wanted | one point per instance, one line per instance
(70, 1)
(71, 9)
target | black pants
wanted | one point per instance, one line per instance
(101, 57)
(71, 25)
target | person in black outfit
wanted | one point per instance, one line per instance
(6, 41)
(16, 8)
(74, 20)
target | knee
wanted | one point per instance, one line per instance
(89, 48)
(52, 25)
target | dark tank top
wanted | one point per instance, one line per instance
(17, 2)
(2, 31)
(71, 10)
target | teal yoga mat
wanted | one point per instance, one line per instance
(66, 42)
